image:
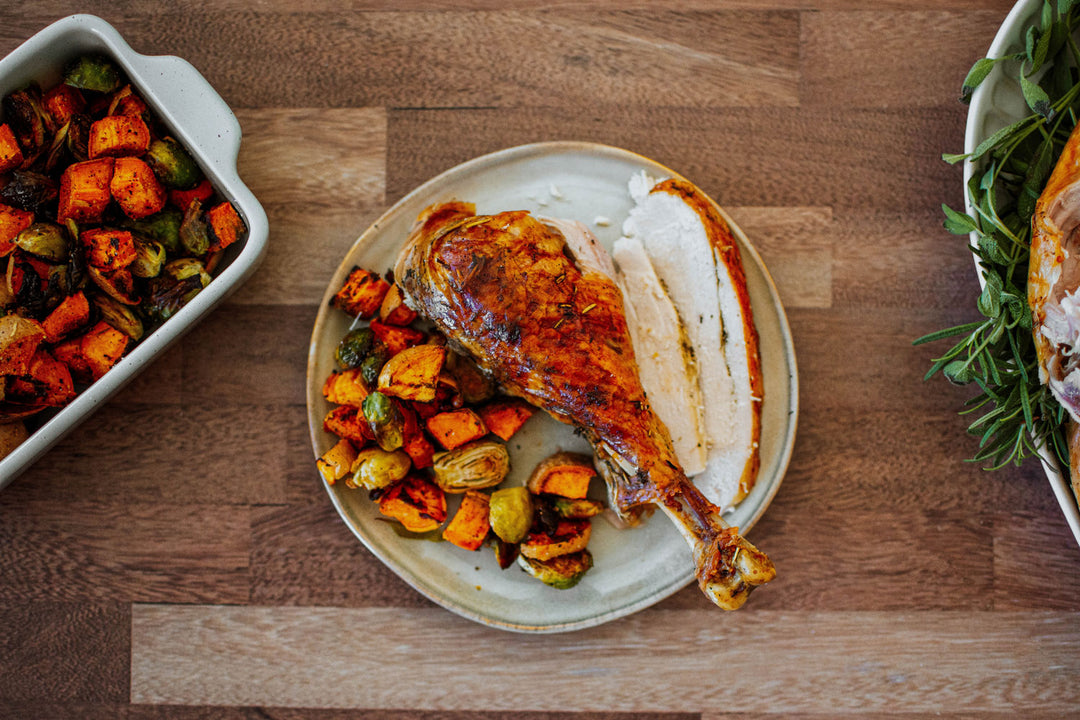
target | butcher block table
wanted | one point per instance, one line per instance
(177, 556)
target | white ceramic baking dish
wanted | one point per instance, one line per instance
(197, 116)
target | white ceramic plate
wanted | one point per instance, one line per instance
(996, 103)
(633, 568)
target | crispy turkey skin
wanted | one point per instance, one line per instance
(527, 300)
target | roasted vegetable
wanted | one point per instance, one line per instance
(565, 474)
(19, 340)
(418, 504)
(375, 468)
(22, 112)
(172, 164)
(194, 235)
(202, 192)
(469, 527)
(102, 347)
(84, 190)
(92, 72)
(47, 382)
(70, 315)
(162, 227)
(150, 257)
(454, 428)
(372, 365)
(345, 388)
(61, 103)
(413, 373)
(12, 222)
(119, 316)
(511, 513)
(562, 572)
(505, 416)
(416, 443)
(362, 294)
(393, 310)
(224, 225)
(471, 467)
(136, 189)
(30, 191)
(395, 337)
(336, 463)
(473, 384)
(576, 509)
(11, 156)
(385, 420)
(354, 348)
(46, 240)
(570, 536)
(108, 249)
(348, 422)
(118, 135)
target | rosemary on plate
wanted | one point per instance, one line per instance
(1014, 413)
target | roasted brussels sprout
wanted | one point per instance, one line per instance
(511, 513)
(385, 421)
(573, 509)
(472, 466)
(22, 112)
(92, 72)
(562, 572)
(373, 364)
(354, 348)
(194, 237)
(118, 315)
(172, 164)
(149, 259)
(45, 240)
(179, 281)
(505, 553)
(376, 468)
(162, 227)
(30, 191)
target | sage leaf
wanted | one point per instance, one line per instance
(1036, 97)
(975, 76)
(958, 223)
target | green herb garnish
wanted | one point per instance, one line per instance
(1016, 414)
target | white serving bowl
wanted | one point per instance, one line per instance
(197, 116)
(996, 103)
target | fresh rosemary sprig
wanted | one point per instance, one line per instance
(1014, 413)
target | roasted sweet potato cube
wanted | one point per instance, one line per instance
(416, 443)
(393, 310)
(69, 352)
(118, 135)
(12, 222)
(136, 188)
(337, 462)
(225, 226)
(570, 536)
(60, 104)
(565, 474)
(11, 156)
(472, 384)
(47, 382)
(397, 338)
(348, 422)
(72, 313)
(413, 373)
(102, 347)
(454, 428)
(417, 503)
(108, 249)
(84, 191)
(505, 416)
(201, 192)
(345, 388)
(470, 525)
(362, 294)
(126, 101)
(19, 340)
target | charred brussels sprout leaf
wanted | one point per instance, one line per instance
(172, 164)
(194, 236)
(30, 191)
(22, 112)
(161, 227)
(92, 72)
(149, 258)
(354, 348)
(373, 364)
(44, 240)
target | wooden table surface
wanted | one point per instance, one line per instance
(177, 556)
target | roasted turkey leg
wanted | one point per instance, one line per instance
(528, 300)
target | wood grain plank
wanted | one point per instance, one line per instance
(1035, 557)
(155, 553)
(302, 657)
(861, 159)
(891, 59)
(195, 454)
(57, 652)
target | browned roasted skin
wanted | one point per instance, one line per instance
(508, 291)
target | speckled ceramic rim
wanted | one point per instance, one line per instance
(196, 114)
(983, 108)
(488, 163)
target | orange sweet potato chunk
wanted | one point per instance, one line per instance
(506, 416)
(11, 155)
(136, 188)
(225, 225)
(102, 347)
(470, 524)
(108, 249)
(362, 293)
(84, 191)
(118, 135)
(454, 428)
(19, 340)
(417, 503)
(12, 222)
(565, 474)
(72, 313)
